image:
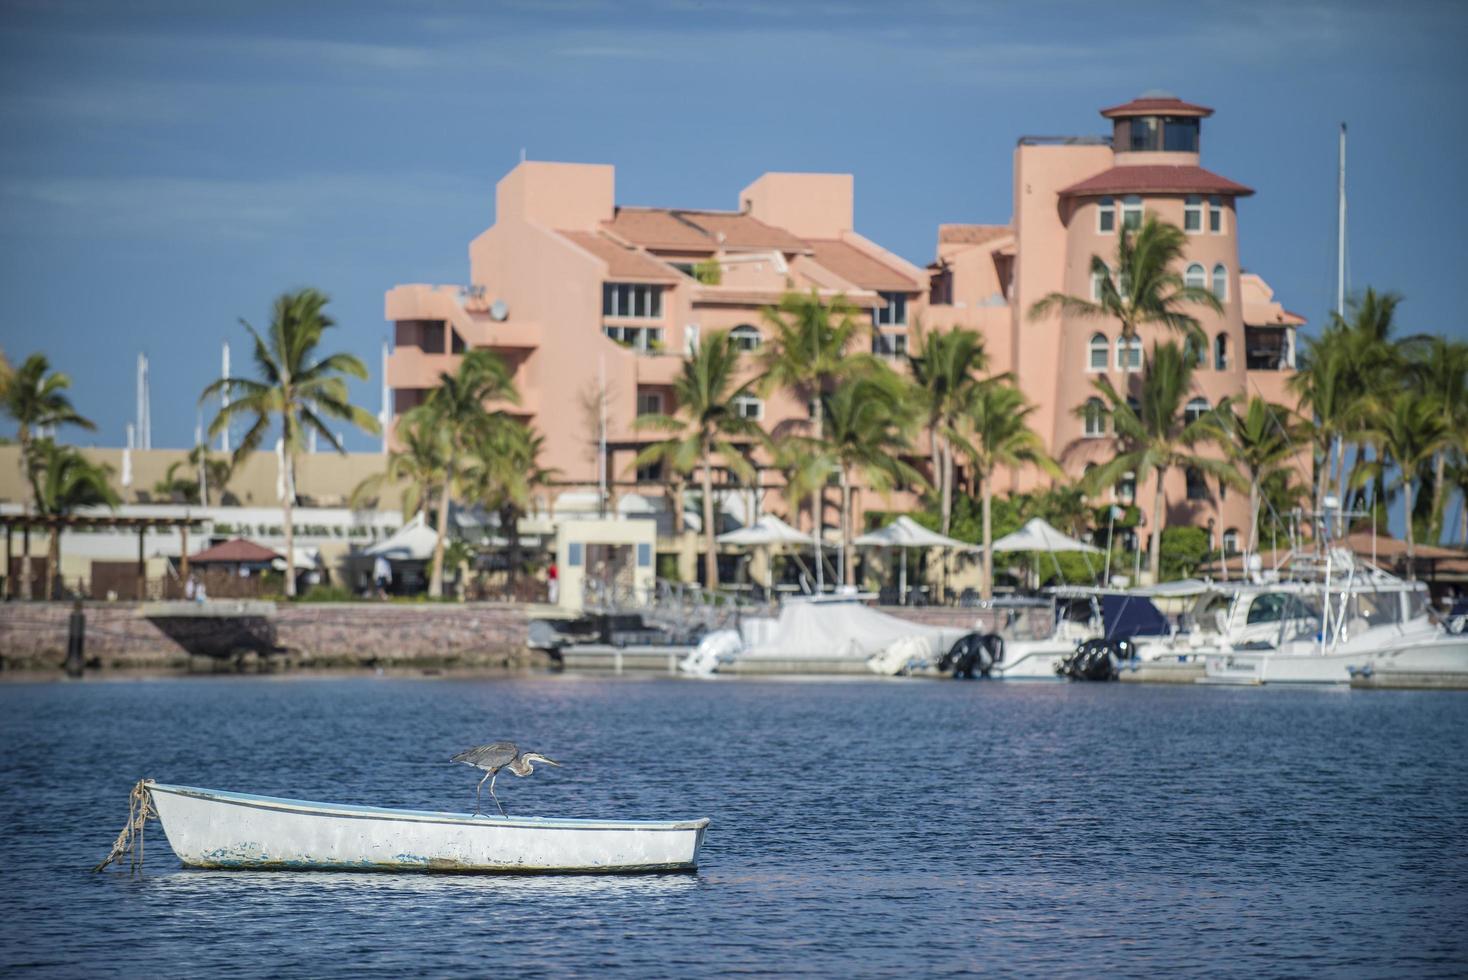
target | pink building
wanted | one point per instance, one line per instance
(584, 297)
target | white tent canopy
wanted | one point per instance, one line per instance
(1037, 535)
(908, 533)
(413, 541)
(768, 530)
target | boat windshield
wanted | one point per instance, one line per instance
(1367, 609)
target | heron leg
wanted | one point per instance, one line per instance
(496, 798)
(479, 791)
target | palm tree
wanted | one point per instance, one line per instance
(866, 435)
(204, 473)
(1439, 368)
(1407, 431)
(456, 409)
(999, 434)
(65, 481)
(1261, 440)
(945, 370)
(806, 353)
(1323, 388)
(1456, 476)
(418, 467)
(706, 419)
(503, 472)
(297, 387)
(34, 397)
(1156, 435)
(1144, 287)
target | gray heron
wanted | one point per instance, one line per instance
(494, 757)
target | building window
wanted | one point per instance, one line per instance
(1099, 351)
(1193, 350)
(1220, 282)
(1180, 134)
(632, 300)
(1146, 134)
(649, 403)
(1126, 487)
(638, 338)
(1220, 352)
(745, 337)
(1195, 410)
(749, 407)
(889, 344)
(1106, 216)
(1099, 276)
(1215, 214)
(894, 313)
(1131, 212)
(1129, 354)
(1094, 417)
(1196, 277)
(690, 339)
(1231, 541)
(1193, 215)
(1197, 485)
(651, 473)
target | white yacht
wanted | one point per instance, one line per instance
(1079, 615)
(1350, 618)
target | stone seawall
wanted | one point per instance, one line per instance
(33, 636)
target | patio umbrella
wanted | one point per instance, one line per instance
(905, 533)
(1037, 535)
(767, 532)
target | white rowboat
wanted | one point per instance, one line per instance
(212, 829)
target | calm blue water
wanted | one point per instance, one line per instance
(859, 828)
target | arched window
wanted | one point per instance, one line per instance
(1215, 214)
(1231, 541)
(1106, 216)
(1098, 277)
(1095, 418)
(1131, 212)
(1098, 352)
(1195, 410)
(1220, 282)
(1193, 349)
(749, 407)
(1197, 484)
(745, 337)
(1129, 354)
(1196, 277)
(1126, 487)
(1220, 352)
(1193, 214)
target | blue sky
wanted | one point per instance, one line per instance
(169, 167)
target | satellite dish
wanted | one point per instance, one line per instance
(498, 310)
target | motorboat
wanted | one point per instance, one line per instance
(1083, 615)
(215, 829)
(1347, 618)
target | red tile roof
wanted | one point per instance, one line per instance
(236, 551)
(674, 229)
(623, 262)
(1155, 178)
(1169, 105)
(971, 234)
(858, 267)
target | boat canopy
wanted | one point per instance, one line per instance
(1132, 615)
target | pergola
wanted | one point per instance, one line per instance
(59, 523)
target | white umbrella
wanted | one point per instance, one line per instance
(905, 533)
(1037, 535)
(414, 541)
(766, 532)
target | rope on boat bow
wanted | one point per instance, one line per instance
(130, 841)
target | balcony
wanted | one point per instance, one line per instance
(1267, 349)
(412, 367)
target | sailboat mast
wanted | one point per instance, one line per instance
(1340, 241)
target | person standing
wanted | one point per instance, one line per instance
(552, 584)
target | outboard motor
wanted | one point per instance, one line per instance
(1097, 660)
(973, 654)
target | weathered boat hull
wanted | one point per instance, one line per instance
(211, 829)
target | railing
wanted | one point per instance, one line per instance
(683, 610)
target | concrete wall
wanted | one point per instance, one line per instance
(33, 635)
